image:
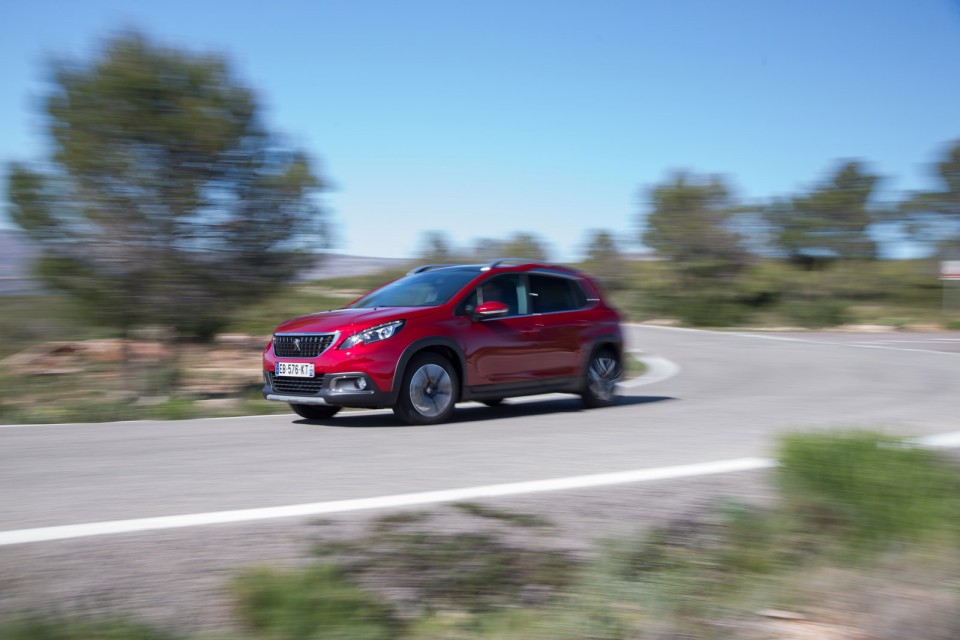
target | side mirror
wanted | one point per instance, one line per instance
(489, 310)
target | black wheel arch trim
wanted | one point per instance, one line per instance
(414, 348)
(600, 342)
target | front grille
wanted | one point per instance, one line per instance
(296, 386)
(301, 346)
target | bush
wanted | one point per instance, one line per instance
(710, 311)
(816, 313)
(315, 602)
(869, 486)
(571, 622)
(466, 571)
(53, 629)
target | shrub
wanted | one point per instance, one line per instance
(707, 310)
(815, 313)
(869, 486)
(465, 571)
(55, 629)
(315, 602)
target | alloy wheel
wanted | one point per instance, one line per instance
(602, 376)
(431, 390)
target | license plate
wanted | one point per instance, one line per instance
(295, 369)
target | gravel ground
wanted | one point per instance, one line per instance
(177, 578)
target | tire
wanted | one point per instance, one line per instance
(315, 411)
(429, 390)
(600, 384)
(493, 402)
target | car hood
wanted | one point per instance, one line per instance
(348, 321)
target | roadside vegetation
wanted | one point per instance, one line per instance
(61, 367)
(862, 543)
(894, 294)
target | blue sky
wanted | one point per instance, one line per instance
(483, 119)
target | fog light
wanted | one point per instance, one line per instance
(361, 384)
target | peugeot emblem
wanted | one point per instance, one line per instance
(296, 344)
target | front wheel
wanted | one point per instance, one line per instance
(600, 386)
(315, 411)
(429, 390)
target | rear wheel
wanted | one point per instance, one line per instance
(315, 411)
(600, 386)
(428, 392)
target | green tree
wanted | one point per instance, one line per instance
(525, 245)
(436, 248)
(167, 201)
(690, 223)
(830, 222)
(604, 261)
(934, 216)
(486, 249)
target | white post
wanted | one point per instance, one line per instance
(949, 272)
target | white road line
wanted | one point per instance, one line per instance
(658, 370)
(760, 336)
(940, 440)
(888, 342)
(65, 532)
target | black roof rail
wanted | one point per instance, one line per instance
(501, 261)
(427, 267)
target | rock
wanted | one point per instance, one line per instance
(779, 614)
(923, 327)
(106, 350)
(865, 328)
(242, 340)
(50, 358)
(154, 334)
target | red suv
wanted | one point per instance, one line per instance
(450, 333)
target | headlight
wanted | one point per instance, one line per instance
(374, 334)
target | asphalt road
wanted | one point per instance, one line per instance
(708, 396)
(732, 395)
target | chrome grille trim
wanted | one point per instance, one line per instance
(311, 344)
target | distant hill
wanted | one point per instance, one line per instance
(336, 265)
(17, 252)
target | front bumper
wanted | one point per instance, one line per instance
(350, 389)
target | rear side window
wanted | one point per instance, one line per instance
(550, 294)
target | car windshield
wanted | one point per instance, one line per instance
(427, 289)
